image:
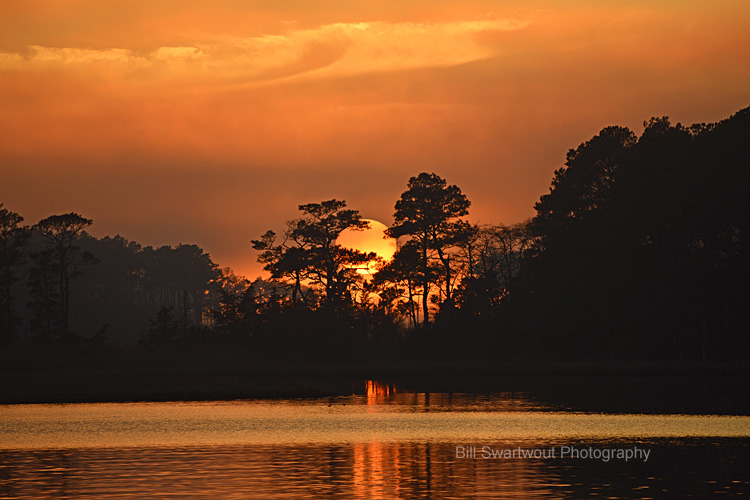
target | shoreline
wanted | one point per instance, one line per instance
(38, 384)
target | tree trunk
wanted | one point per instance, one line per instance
(184, 312)
(425, 286)
(63, 293)
(412, 305)
(8, 305)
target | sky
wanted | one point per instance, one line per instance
(209, 122)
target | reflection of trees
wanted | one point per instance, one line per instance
(365, 471)
(375, 471)
(430, 471)
(376, 391)
(359, 471)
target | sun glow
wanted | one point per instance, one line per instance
(370, 240)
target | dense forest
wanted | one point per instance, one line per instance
(640, 250)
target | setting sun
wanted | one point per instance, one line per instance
(370, 240)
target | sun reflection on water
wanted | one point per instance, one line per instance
(377, 391)
(383, 444)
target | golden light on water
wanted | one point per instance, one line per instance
(377, 390)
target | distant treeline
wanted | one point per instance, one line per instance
(639, 251)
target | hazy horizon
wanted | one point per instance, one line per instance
(210, 123)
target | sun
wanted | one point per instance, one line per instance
(369, 240)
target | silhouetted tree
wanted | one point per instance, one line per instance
(310, 251)
(13, 240)
(641, 243)
(494, 255)
(587, 182)
(287, 262)
(61, 233)
(237, 307)
(113, 290)
(179, 277)
(401, 281)
(329, 263)
(195, 273)
(428, 213)
(44, 300)
(164, 329)
(235, 312)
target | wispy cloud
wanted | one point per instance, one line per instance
(48, 55)
(389, 46)
(338, 49)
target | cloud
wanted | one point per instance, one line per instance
(10, 60)
(47, 55)
(399, 46)
(337, 49)
(178, 54)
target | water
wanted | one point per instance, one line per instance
(377, 446)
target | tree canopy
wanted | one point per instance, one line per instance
(310, 252)
(640, 250)
(428, 213)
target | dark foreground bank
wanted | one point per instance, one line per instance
(586, 386)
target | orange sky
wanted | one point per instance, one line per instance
(202, 122)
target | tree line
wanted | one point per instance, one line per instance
(57, 279)
(639, 250)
